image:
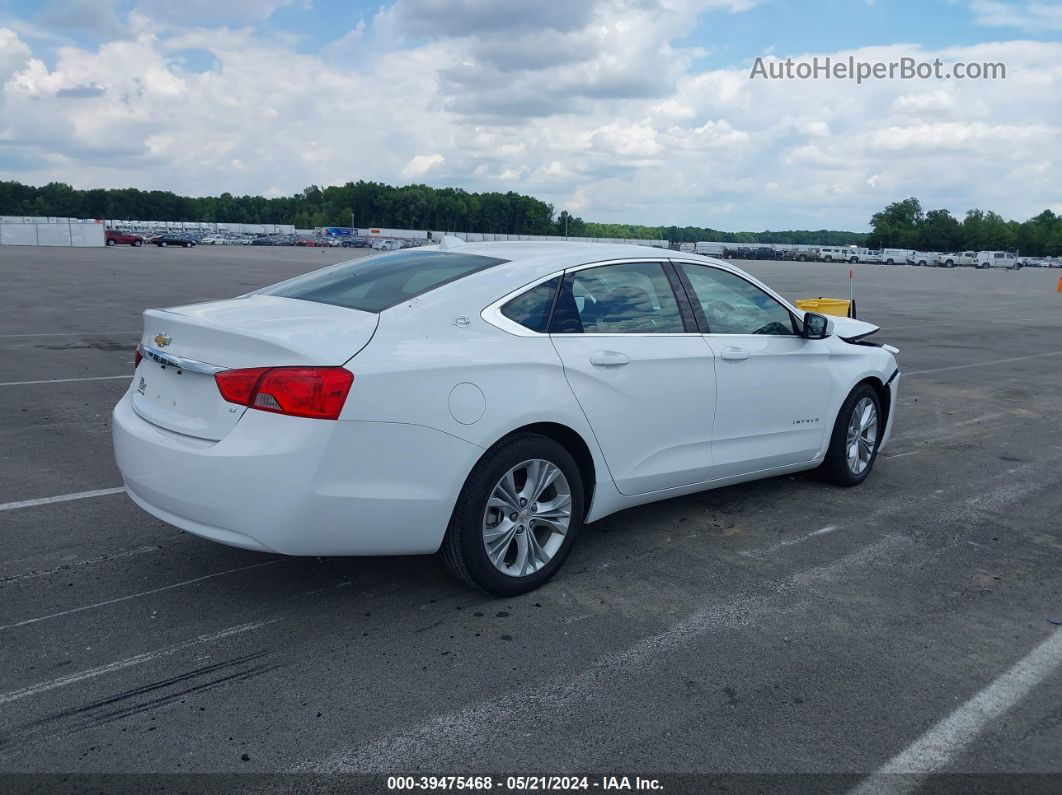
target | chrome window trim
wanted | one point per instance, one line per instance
(180, 362)
(493, 314)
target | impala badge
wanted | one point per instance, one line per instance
(162, 340)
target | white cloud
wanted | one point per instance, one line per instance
(419, 165)
(1034, 16)
(619, 122)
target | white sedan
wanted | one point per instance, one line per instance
(486, 400)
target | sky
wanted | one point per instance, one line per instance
(631, 111)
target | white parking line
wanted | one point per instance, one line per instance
(931, 752)
(67, 380)
(788, 542)
(91, 673)
(118, 599)
(81, 495)
(76, 564)
(909, 373)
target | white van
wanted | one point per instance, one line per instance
(997, 259)
(896, 256)
(838, 254)
(710, 249)
(869, 255)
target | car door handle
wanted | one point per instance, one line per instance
(609, 359)
(732, 354)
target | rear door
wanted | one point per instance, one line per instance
(644, 377)
(773, 386)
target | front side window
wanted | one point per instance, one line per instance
(628, 298)
(531, 308)
(373, 284)
(734, 306)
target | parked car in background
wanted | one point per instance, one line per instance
(923, 258)
(896, 256)
(839, 254)
(709, 249)
(170, 239)
(114, 237)
(356, 242)
(998, 259)
(802, 255)
(215, 240)
(870, 256)
(956, 259)
(300, 420)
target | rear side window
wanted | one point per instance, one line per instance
(626, 298)
(376, 283)
(531, 308)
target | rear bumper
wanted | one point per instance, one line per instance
(297, 486)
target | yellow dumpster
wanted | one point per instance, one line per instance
(827, 306)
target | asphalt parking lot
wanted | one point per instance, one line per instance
(785, 626)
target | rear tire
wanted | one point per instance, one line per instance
(855, 440)
(163, 244)
(111, 243)
(485, 509)
(138, 243)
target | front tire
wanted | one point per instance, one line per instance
(111, 243)
(856, 436)
(138, 243)
(517, 517)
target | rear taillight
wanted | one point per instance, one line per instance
(137, 356)
(316, 392)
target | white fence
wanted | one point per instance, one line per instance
(57, 232)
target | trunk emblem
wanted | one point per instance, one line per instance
(162, 340)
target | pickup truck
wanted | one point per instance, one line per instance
(964, 258)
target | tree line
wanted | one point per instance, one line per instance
(904, 224)
(369, 204)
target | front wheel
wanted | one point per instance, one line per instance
(138, 243)
(517, 517)
(163, 244)
(856, 435)
(111, 243)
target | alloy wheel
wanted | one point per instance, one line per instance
(527, 517)
(862, 436)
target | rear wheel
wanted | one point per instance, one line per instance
(187, 245)
(856, 435)
(111, 243)
(517, 517)
(138, 243)
(163, 244)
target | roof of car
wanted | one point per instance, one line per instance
(548, 256)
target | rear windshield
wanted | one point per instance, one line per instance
(373, 284)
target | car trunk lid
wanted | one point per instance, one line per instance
(183, 347)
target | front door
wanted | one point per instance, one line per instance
(773, 386)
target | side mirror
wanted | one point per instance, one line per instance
(816, 327)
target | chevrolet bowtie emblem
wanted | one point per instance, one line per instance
(162, 340)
